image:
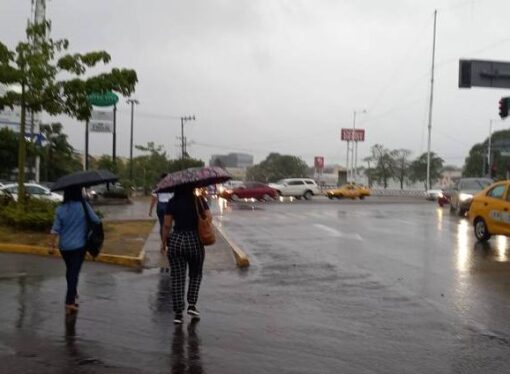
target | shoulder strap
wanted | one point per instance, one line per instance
(198, 208)
(87, 215)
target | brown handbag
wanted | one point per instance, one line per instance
(205, 226)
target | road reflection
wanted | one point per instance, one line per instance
(186, 352)
(463, 248)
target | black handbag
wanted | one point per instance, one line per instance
(94, 237)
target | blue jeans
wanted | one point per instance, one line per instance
(73, 259)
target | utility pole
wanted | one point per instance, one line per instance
(183, 140)
(132, 102)
(431, 100)
(354, 139)
(114, 145)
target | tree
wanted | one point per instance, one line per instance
(58, 157)
(384, 164)
(276, 167)
(184, 163)
(401, 158)
(475, 164)
(8, 151)
(418, 168)
(51, 80)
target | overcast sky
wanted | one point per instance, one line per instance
(286, 75)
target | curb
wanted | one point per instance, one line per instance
(240, 256)
(129, 261)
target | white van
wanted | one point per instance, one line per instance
(297, 187)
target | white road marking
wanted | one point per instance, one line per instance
(337, 234)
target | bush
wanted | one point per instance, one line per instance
(37, 215)
(118, 194)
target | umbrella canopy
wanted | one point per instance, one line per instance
(193, 177)
(84, 179)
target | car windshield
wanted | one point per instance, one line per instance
(475, 184)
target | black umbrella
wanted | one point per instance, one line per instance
(194, 177)
(84, 179)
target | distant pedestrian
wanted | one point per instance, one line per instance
(160, 201)
(70, 226)
(184, 248)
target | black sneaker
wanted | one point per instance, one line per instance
(178, 318)
(193, 311)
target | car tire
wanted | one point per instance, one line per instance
(266, 197)
(362, 197)
(308, 195)
(339, 196)
(330, 197)
(481, 231)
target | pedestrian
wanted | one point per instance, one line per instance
(184, 248)
(70, 227)
(160, 201)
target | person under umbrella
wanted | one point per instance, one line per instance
(70, 226)
(183, 245)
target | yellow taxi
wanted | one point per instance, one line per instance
(349, 191)
(489, 211)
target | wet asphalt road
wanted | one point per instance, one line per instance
(334, 287)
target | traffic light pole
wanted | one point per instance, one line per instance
(429, 141)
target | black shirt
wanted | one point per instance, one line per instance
(184, 212)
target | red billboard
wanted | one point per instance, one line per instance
(347, 135)
(319, 162)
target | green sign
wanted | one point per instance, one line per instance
(103, 99)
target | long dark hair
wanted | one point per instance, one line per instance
(185, 191)
(73, 194)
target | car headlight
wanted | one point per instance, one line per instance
(465, 196)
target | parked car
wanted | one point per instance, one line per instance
(34, 190)
(250, 190)
(349, 191)
(297, 187)
(463, 191)
(489, 212)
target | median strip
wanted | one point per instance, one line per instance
(240, 256)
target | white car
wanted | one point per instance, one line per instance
(35, 190)
(433, 195)
(297, 187)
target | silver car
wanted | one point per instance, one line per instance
(462, 193)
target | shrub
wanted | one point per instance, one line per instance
(118, 194)
(38, 215)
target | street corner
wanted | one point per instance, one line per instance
(127, 261)
(240, 256)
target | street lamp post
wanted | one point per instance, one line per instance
(354, 160)
(183, 140)
(132, 102)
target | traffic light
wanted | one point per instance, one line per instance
(503, 107)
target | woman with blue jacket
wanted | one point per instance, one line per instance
(70, 226)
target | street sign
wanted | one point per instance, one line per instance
(347, 135)
(483, 73)
(102, 99)
(101, 121)
(319, 162)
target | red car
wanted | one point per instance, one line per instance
(250, 190)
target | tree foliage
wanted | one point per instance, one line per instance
(58, 157)
(51, 80)
(276, 167)
(418, 168)
(384, 164)
(401, 165)
(8, 152)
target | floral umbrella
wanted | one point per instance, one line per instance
(193, 177)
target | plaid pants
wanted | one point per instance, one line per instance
(185, 249)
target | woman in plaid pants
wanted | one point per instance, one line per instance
(184, 249)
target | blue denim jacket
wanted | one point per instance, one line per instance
(71, 226)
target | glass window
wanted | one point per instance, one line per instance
(473, 185)
(497, 192)
(309, 182)
(34, 190)
(295, 183)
